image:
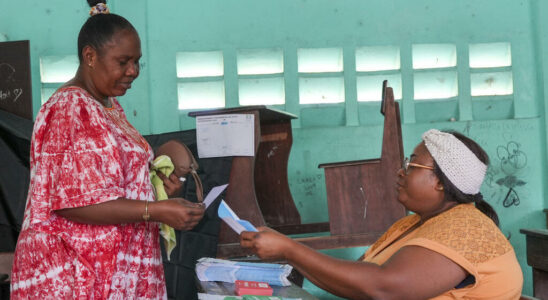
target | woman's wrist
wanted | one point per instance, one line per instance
(288, 247)
(146, 214)
(154, 211)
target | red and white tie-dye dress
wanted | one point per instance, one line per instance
(84, 154)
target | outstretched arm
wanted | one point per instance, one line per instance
(177, 212)
(412, 273)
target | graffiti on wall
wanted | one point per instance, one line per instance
(306, 186)
(503, 175)
(309, 183)
(512, 159)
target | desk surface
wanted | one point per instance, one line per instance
(225, 288)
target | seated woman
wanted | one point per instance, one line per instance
(451, 248)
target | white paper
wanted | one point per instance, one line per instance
(213, 194)
(225, 135)
(231, 219)
(203, 296)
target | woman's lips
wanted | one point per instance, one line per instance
(126, 85)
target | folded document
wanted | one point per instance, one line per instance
(231, 219)
(213, 194)
(213, 269)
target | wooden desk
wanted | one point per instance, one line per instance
(537, 258)
(225, 288)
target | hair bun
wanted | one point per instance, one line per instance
(92, 3)
(99, 9)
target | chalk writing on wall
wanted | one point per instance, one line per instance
(308, 183)
(7, 78)
(308, 187)
(15, 83)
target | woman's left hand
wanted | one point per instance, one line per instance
(172, 185)
(268, 244)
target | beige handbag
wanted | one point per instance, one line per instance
(184, 163)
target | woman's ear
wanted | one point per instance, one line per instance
(89, 55)
(439, 186)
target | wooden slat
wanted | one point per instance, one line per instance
(268, 114)
(350, 163)
(302, 228)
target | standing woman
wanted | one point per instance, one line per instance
(90, 229)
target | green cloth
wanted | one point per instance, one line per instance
(163, 164)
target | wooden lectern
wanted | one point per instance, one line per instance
(258, 189)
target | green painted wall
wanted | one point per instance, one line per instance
(511, 129)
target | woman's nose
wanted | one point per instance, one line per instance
(401, 172)
(133, 70)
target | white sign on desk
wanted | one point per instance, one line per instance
(225, 135)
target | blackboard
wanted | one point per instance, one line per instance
(15, 80)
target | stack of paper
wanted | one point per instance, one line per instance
(213, 269)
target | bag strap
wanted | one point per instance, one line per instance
(193, 169)
(199, 187)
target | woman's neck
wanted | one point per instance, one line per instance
(84, 82)
(445, 206)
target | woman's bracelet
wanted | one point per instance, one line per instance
(146, 215)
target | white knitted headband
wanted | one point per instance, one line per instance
(456, 161)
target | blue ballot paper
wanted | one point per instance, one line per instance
(231, 219)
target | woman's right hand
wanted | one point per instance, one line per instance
(267, 243)
(178, 213)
